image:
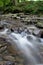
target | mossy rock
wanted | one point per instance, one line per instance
(39, 25)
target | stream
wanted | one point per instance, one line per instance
(28, 44)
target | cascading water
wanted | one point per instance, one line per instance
(29, 49)
(28, 44)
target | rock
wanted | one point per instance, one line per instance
(3, 49)
(29, 37)
(9, 58)
(1, 62)
(19, 30)
(9, 63)
(38, 33)
(41, 34)
(1, 59)
(3, 45)
(12, 30)
(40, 25)
(19, 60)
(1, 27)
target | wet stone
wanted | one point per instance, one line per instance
(9, 58)
(1, 27)
(10, 63)
(12, 30)
(1, 59)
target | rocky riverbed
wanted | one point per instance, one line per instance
(16, 32)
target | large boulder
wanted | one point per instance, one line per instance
(38, 33)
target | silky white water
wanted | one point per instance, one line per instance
(27, 44)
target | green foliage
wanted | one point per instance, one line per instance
(1, 3)
(32, 7)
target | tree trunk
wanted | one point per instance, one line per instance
(16, 2)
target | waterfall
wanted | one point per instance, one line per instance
(29, 49)
(27, 43)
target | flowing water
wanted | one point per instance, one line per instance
(27, 43)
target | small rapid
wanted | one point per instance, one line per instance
(28, 44)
